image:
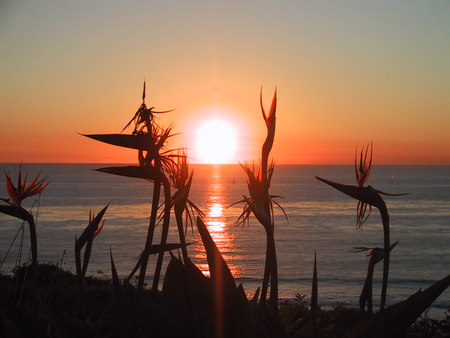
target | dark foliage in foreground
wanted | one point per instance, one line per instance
(100, 313)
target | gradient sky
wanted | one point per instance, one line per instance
(347, 73)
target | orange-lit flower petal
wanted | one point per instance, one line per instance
(18, 193)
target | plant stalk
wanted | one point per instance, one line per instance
(366, 294)
(165, 232)
(387, 249)
(179, 218)
(151, 230)
(273, 274)
(267, 271)
(34, 257)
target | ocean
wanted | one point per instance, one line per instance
(320, 220)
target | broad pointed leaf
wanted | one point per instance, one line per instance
(91, 228)
(365, 194)
(218, 268)
(115, 277)
(146, 173)
(86, 256)
(137, 141)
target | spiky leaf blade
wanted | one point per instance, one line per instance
(133, 141)
(146, 173)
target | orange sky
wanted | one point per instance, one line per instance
(347, 73)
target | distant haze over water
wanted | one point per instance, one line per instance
(320, 220)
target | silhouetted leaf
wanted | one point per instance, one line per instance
(365, 194)
(133, 141)
(146, 173)
(156, 248)
(91, 228)
(218, 268)
(255, 296)
(115, 278)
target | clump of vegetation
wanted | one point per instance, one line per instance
(53, 302)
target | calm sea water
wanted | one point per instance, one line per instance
(320, 220)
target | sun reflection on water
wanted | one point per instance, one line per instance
(215, 220)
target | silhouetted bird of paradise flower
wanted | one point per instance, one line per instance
(20, 192)
(261, 204)
(17, 193)
(362, 173)
(368, 197)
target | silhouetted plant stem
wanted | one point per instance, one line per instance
(150, 234)
(387, 245)
(366, 294)
(181, 180)
(179, 219)
(273, 275)
(19, 212)
(270, 266)
(270, 273)
(376, 255)
(267, 271)
(315, 299)
(164, 233)
(17, 194)
(34, 256)
(265, 178)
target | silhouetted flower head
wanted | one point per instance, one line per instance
(376, 254)
(181, 180)
(362, 173)
(260, 202)
(98, 228)
(18, 193)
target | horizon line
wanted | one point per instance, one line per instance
(239, 163)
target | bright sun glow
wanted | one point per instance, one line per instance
(216, 142)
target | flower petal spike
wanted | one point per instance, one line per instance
(18, 193)
(362, 173)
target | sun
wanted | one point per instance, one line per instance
(216, 142)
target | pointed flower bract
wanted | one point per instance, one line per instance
(18, 193)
